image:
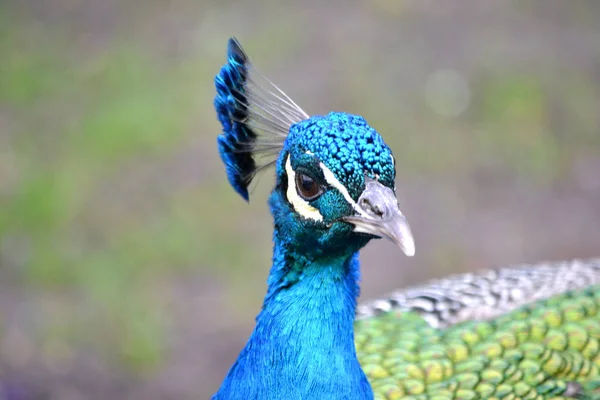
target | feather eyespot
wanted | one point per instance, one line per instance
(307, 187)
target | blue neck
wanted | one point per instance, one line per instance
(303, 344)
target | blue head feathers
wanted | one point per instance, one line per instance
(246, 108)
(232, 110)
(347, 146)
(334, 155)
(259, 121)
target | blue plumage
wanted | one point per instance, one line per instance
(334, 192)
(232, 111)
(303, 343)
(347, 145)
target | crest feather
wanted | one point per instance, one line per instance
(255, 116)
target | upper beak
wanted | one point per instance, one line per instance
(380, 215)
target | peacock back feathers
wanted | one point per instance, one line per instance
(472, 337)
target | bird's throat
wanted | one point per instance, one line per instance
(303, 342)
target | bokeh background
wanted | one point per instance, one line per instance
(130, 270)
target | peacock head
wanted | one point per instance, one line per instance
(335, 175)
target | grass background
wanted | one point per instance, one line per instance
(129, 268)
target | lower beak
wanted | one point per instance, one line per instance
(380, 215)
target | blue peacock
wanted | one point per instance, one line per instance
(525, 332)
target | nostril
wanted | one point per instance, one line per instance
(373, 209)
(378, 210)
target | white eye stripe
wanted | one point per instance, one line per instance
(332, 180)
(300, 205)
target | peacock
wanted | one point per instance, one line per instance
(525, 332)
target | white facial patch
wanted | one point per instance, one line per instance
(300, 205)
(332, 180)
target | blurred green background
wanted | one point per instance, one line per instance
(129, 269)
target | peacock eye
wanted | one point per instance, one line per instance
(307, 187)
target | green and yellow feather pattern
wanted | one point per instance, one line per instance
(547, 349)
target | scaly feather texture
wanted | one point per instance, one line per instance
(445, 340)
(529, 332)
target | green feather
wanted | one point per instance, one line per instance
(549, 349)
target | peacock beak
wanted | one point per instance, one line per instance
(379, 215)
